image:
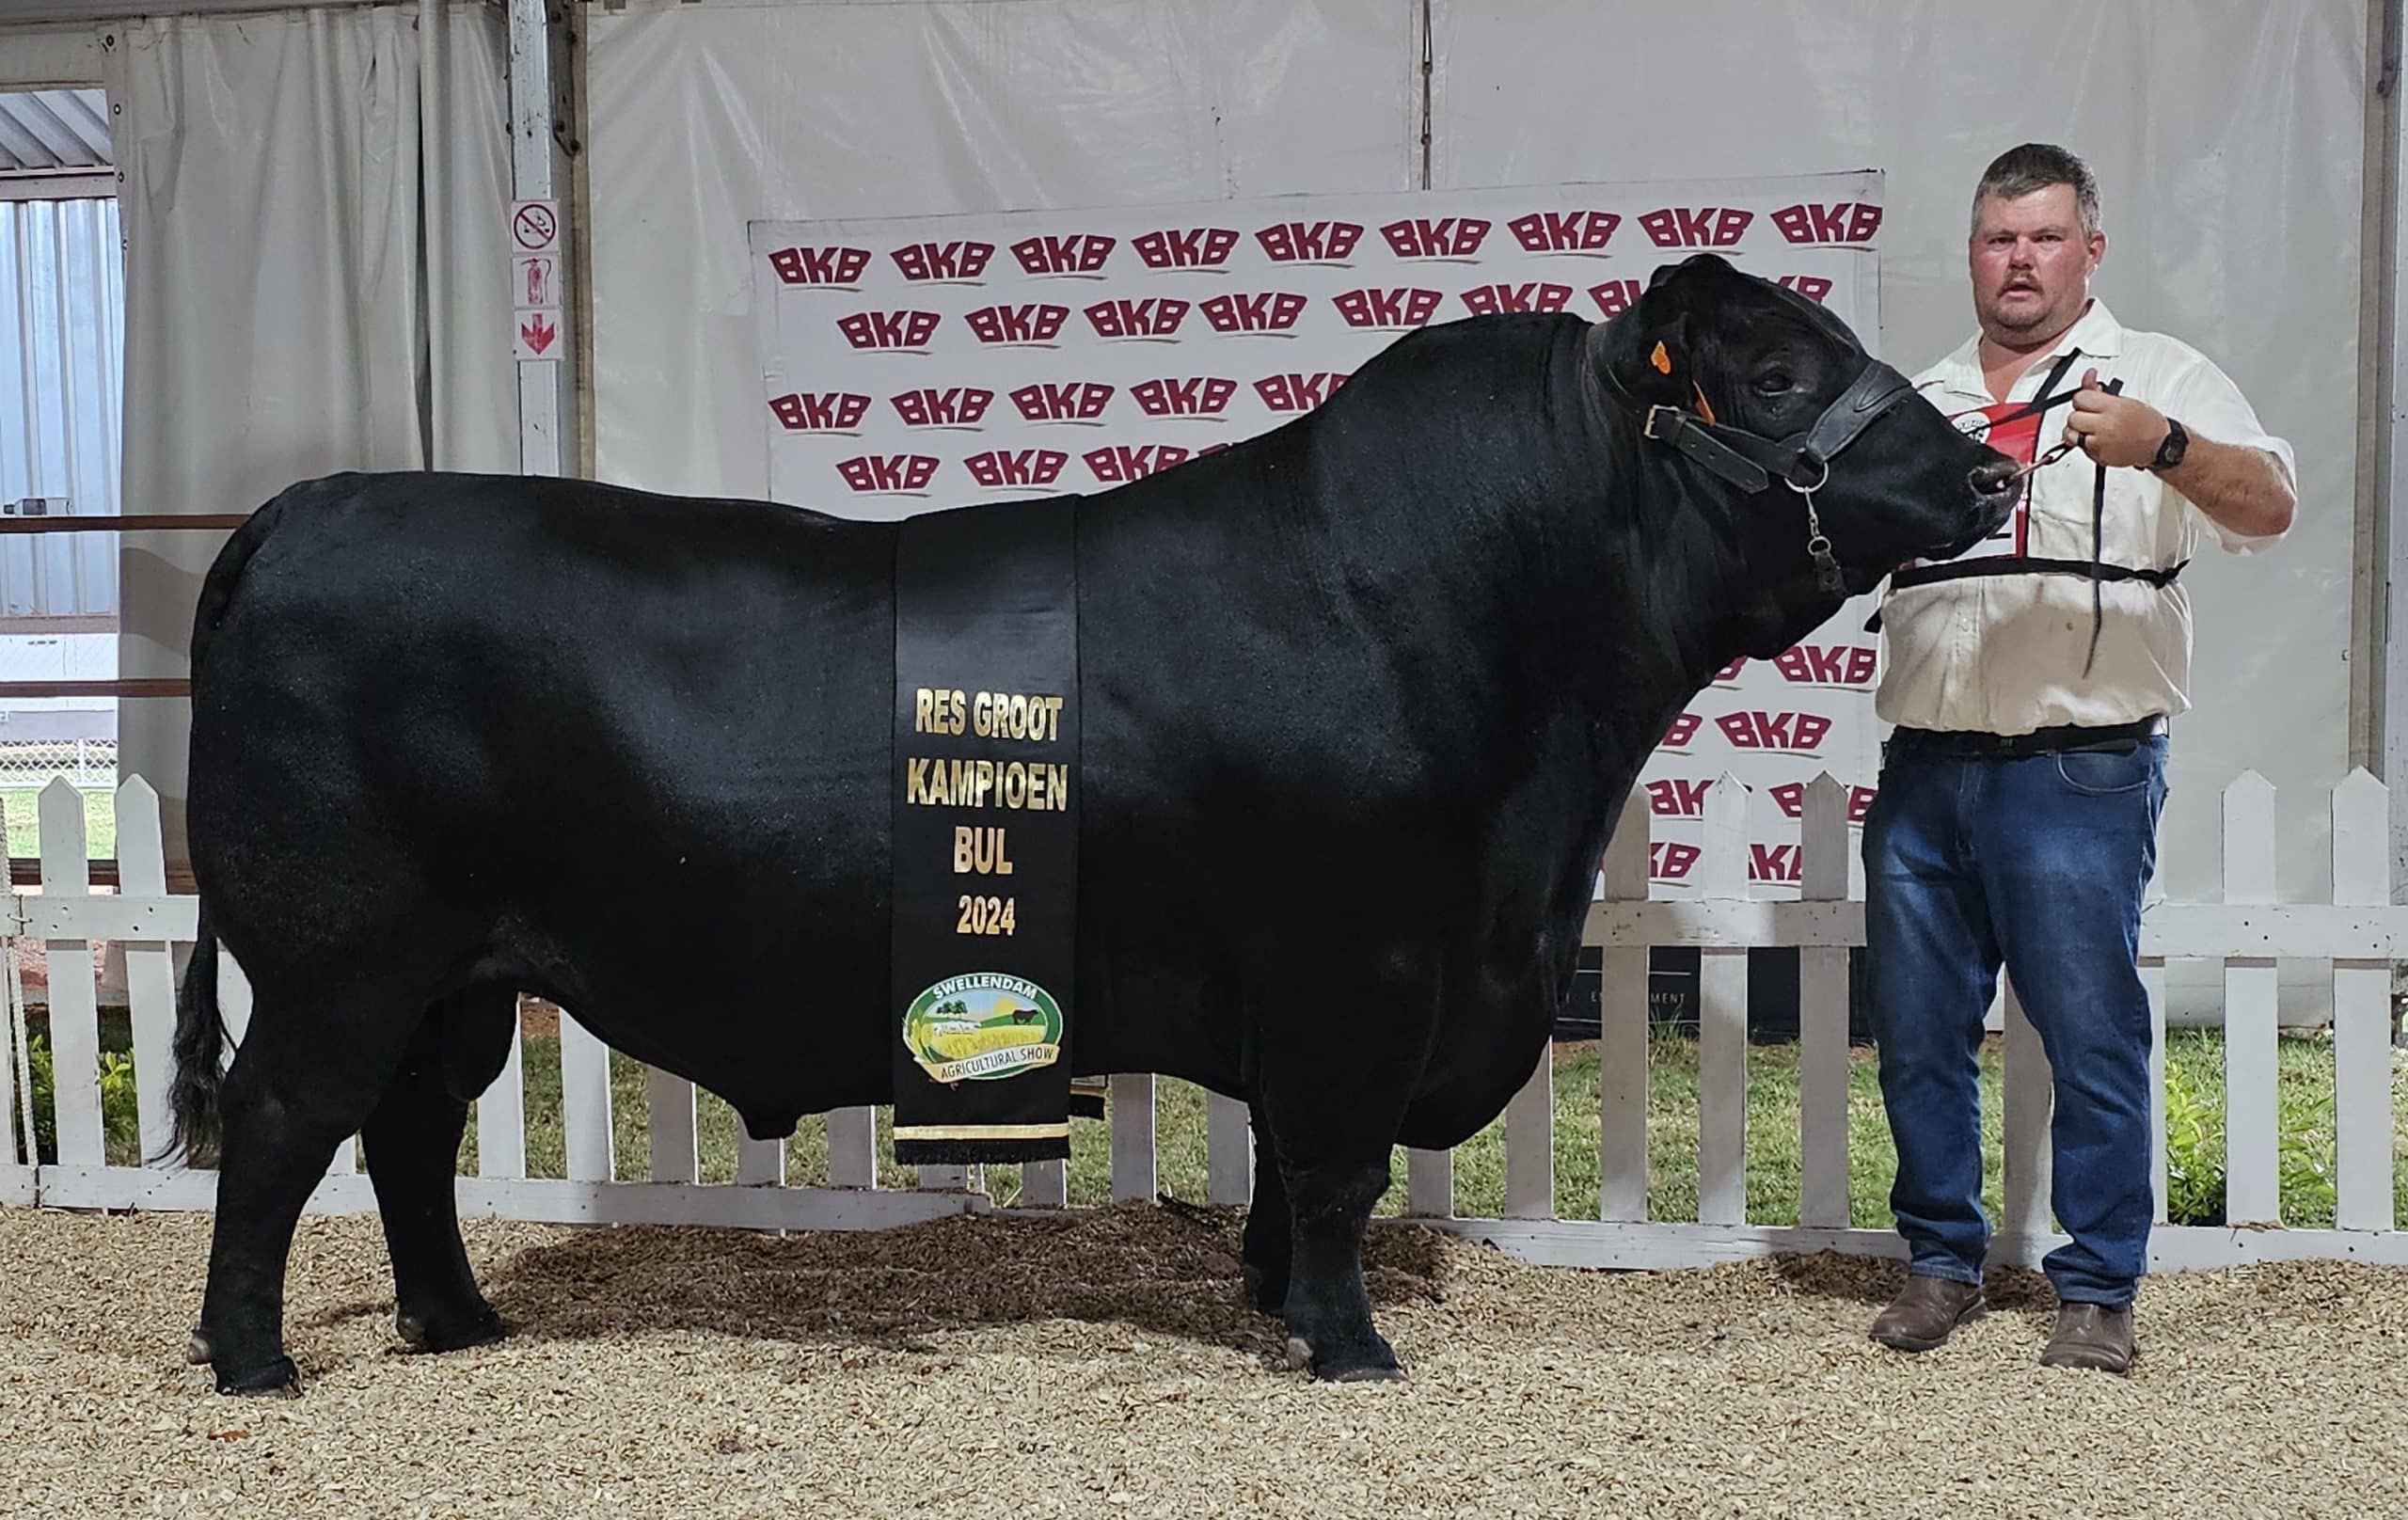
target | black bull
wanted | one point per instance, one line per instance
(1363, 697)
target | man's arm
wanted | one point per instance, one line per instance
(2243, 489)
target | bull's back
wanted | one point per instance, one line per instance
(548, 720)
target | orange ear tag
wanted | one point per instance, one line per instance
(1662, 360)
(1704, 407)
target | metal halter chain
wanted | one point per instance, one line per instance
(1818, 544)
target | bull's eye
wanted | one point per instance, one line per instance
(1775, 383)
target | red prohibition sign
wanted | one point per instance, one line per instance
(533, 227)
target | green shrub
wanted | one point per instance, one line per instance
(118, 1119)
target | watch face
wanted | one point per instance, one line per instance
(2176, 444)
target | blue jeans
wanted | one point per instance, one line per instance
(2038, 862)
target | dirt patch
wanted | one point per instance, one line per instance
(1104, 1364)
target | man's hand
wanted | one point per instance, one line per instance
(2113, 429)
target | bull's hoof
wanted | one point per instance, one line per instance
(279, 1377)
(196, 1350)
(437, 1331)
(1373, 1362)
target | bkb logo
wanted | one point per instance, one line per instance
(1265, 311)
(959, 406)
(1845, 665)
(1849, 221)
(1790, 797)
(1565, 231)
(1615, 296)
(925, 261)
(820, 266)
(1684, 729)
(888, 473)
(1774, 863)
(1193, 248)
(1670, 860)
(1402, 306)
(1814, 287)
(1534, 297)
(1696, 227)
(1154, 317)
(1075, 254)
(1018, 323)
(1200, 396)
(1297, 392)
(889, 329)
(1449, 237)
(1309, 243)
(1016, 467)
(1729, 675)
(821, 412)
(1121, 463)
(1790, 732)
(1077, 402)
(1677, 798)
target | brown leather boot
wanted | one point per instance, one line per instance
(2091, 1336)
(1925, 1311)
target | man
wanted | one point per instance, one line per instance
(2030, 681)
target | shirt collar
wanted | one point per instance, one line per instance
(2096, 332)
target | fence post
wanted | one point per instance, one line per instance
(1722, 1018)
(1822, 1015)
(75, 1011)
(149, 971)
(585, 1103)
(1622, 1029)
(2028, 1161)
(2361, 1013)
(12, 1030)
(668, 1123)
(1228, 1146)
(1131, 1106)
(2250, 1051)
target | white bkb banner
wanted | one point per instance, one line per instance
(937, 361)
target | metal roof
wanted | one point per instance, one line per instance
(53, 131)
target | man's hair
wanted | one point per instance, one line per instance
(2020, 170)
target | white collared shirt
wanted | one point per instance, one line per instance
(2003, 654)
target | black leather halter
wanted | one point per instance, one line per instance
(1801, 460)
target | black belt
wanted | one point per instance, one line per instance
(2071, 737)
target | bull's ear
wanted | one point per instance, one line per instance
(1652, 362)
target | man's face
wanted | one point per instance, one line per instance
(2031, 265)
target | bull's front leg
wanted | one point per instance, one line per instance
(1333, 1101)
(1328, 1309)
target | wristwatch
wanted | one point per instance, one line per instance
(2170, 452)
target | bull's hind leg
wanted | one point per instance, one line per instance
(308, 1076)
(413, 1149)
(1270, 1232)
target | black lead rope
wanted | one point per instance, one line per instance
(2098, 551)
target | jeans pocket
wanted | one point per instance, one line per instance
(2106, 773)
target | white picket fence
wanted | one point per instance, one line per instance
(2360, 933)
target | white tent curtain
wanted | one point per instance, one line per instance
(59, 397)
(317, 281)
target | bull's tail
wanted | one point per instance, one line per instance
(192, 1098)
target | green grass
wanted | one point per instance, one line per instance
(23, 804)
(2194, 1063)
(2195, 1060)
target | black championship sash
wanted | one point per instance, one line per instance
(984, 832)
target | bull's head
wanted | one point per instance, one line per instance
(1818, 467)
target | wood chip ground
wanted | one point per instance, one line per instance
(1104, 1364)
